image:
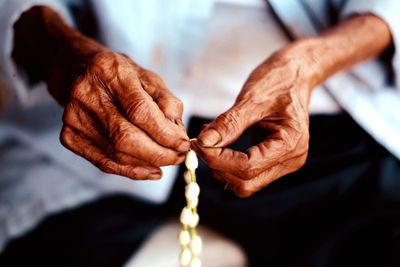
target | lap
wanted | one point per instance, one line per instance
(101, 233)
(339, 201)
(326, 214)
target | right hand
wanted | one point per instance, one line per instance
(123, 119)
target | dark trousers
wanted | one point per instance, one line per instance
(341, 209)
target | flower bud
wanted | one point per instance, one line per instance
(185, 257)
(186, 216)
(184, 237)
(191, 160)
(194, 221)
(196, 245)
(192, 191)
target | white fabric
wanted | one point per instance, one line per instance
(374, 106)
(248, 3)
(362, 92)
(388, 10)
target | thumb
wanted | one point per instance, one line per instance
(227, 127)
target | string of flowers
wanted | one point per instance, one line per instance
(190, 242)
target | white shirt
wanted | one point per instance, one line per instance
(203, 50)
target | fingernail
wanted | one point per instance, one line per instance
(154, 175)
(209, 138)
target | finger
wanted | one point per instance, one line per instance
(130, 139)
(124, 136)
(142, 111)
(88, 150)
(240, 187)
(245, 165)
(79, 119)
(246, 188)
(133, 141)
(282, 144)
(171, 106)
(85, 126)
(227, 127)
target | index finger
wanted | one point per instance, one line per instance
(245, 165)
(140, 109)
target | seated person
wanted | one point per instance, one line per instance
(311, 171)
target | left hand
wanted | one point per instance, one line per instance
(275, 98)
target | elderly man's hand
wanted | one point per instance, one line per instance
(123, 119)
(118, 115)
(275, 98)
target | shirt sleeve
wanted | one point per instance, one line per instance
(388, 11)
(13, 84)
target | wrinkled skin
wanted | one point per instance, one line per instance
(123, 119)
(118, 115)
(275, 98)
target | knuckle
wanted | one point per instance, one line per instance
(73, 115)
(104, 60)
(245, 189)
(138, 111)
(158, 158)
(80, 90)
(290, 139)
(230, 120)
(129, 171)
(251, 173)
(66, 137)
(90, 98)
(106, 66)
(178, 104)
(107, 166)
(122, 139)
(247, 170)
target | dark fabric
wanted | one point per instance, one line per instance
(341, 209)
(103, 233)
(329, 213)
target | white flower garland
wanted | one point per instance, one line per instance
(190, 243)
